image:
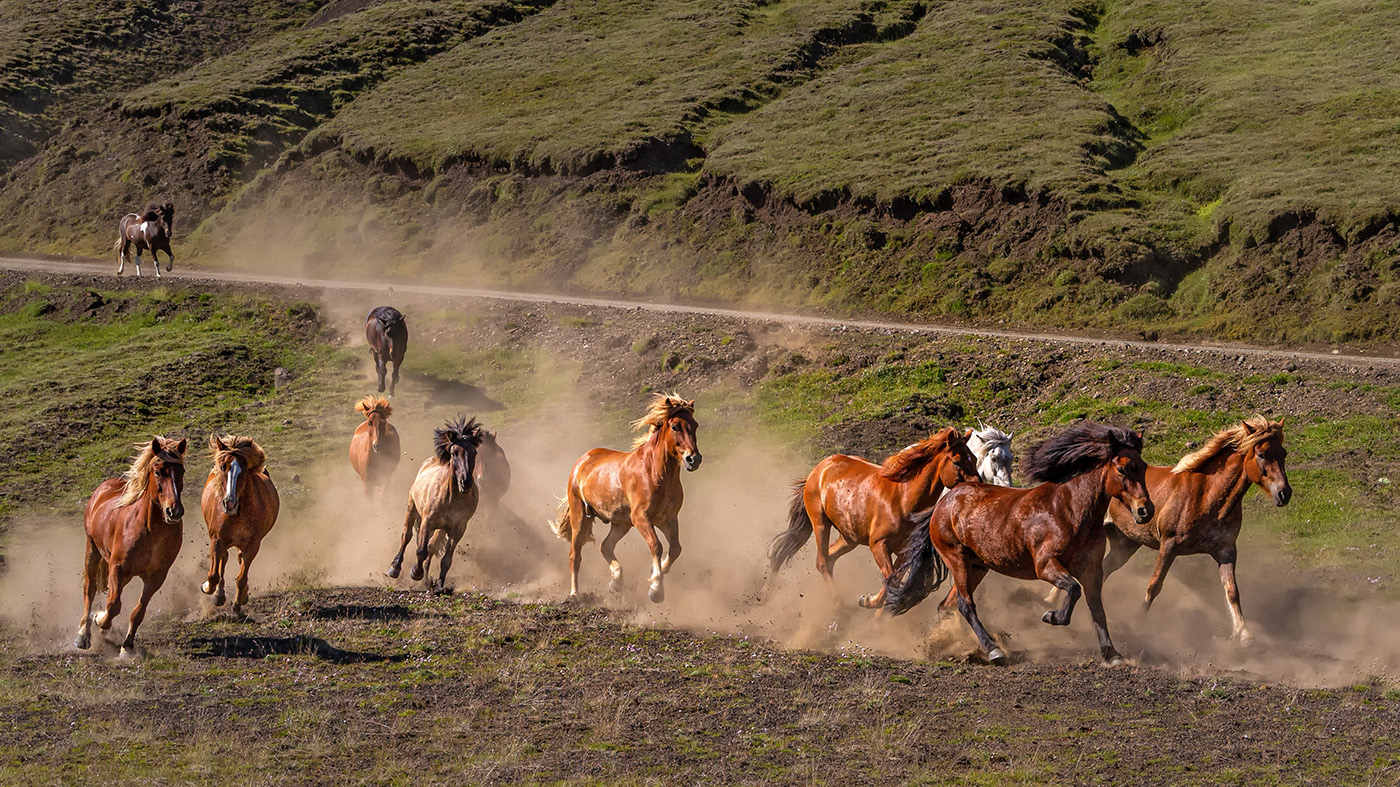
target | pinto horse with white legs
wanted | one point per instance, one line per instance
(640, 488)
(134, 529)
(1199, 506)
(1053, 532)
(240, 506)
(150, 230)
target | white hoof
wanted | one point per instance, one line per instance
(207, 588)
(101, 620)
(657, 594)
(128, 654)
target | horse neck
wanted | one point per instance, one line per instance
(1226, 483)
(661, 459)
(923, 490)
(150, 504)
(1090, 499)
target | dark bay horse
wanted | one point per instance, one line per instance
(240, 506)
(870, 505)
(640, 488)
(134, 529)
(387, 334)
(149, 230)
(1054, 531)
(374, 448)
(443, 499)
(1199, 506)
(492, 471)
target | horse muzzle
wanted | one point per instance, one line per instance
(1283, 495)
(175, 512)
(692, 461)
(231, 506)
(1143, 513)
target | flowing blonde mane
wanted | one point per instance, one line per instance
(237, 445)
(907, 463)
(1239, 438)
(138, 476)
(663, 408)
(375, 405)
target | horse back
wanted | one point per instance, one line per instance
(853, 495)
(614, 482)
(1183, 511)
(1003, 526)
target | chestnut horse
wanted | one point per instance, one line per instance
(640, 488)
(375, 449)
(150, 230)
(1054, 531)
(387, 334)
(869, 505)
(1199, 506)
(240, 506)
(134, 529)
(443, 499)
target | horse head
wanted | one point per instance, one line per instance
(992, 447)
(168, 475)
(671, 422)
(456, 445)
(167, 218)
(1128, 479)
(1264, 461)
(959, 464)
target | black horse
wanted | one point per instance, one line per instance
(387, 334)
(149, 230)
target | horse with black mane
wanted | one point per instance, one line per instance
(387, 334)
(1053, 531)
(151, 230)
(443, 499)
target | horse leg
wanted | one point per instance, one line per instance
(822, 527)
(245, 562)
(1091, 577)
(116, 582)
(155, 261)
(394, 381)
(411, 520)
(581, 520)
(1226, 559)
(138, 262)
(445, 562)
(1054, 572)
(657, 591)
(966, 578)
(214, 584)
(672, 532)
(1165, 556)
(149, 586)
(608, 544)
(91, 565)
(420, 567)
(881, 551)
(380, 367)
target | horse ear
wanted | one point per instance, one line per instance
(1248, 427)
(180, 447)
(155, 445)
(1281, 419)
(967, 433)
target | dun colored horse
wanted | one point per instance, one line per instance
(150, 230)
(870, 505)
(134, 529)
(640, 488)
(374, 449)
(1054, 531)
(240, 506)
(992, 447)
(1199, 506)
(387, 334)
(443, 499)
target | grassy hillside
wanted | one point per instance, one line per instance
(1224, 169)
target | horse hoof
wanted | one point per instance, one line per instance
(207, 588)
(219, 599)
(416, 573)
(392, 573)
(127, 654)
(657, 594)
(997, 657)
(615, 586)
(168, 266)
(1048, 617)
(864, 601)
(1115, 661)
(103, 622)
(82, 642)
(1245, 639)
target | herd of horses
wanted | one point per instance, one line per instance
(939, 509)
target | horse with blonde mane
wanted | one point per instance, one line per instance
(870, 505)
(1199, 509)
(640, 488)
(374, 448)
(134, 529)
(240, 506)
(443, 500)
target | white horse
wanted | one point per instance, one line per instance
(992, 447)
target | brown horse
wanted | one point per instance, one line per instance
(640, 488)
(374, 449)
(134, 529)
(443, 498)
(492, 471)
(240, 506)
(150, 230)
(1199, 506)
(1054, 531)
(387, 334)
(870, 505)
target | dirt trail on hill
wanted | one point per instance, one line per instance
(257, 277)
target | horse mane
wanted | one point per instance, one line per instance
(1077, 450)
(906, 464)
(663, 408)
(375, 405)
(991, 436)
(1238, 438)
(138, 476)
(240, 446)
(469, 432)
(387, 315)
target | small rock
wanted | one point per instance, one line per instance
(296, 478)
(281, 377)
(286, 422)
(1290, 367)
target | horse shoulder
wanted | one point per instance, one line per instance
(101, 514)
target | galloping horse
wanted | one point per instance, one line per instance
(1199, 506)
(240, 506)
(492, 471)
(374, 449)
(639, 488)
(387, 334)
(134, 529)
(869, 504)
(992, 448)
(150, 230)
(1054, 531)
(443, 498)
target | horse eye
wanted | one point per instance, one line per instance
(675, 427)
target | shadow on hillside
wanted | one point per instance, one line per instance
(452, 392)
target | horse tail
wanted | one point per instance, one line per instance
(799, 530)
(920, 570)
(561, 524)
